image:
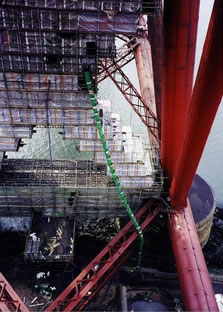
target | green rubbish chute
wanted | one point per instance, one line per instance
(112, 170)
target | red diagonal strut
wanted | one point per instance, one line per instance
(135, 100)
(143, 58)
(206, 98)
(195, 282)
(125, 54)
(9, 300)
(89, 282)
(180, 158)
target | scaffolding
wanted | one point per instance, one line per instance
(61, 37)
(50, 240)
(68, 188)
(45, 45)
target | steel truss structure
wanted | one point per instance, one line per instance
(133, 97)
(91, 280)
(9, 300)
(50, 43)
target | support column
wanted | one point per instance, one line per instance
(195, 283)
(180, 26)
(205, 100)
(143, 59)
(155, 35)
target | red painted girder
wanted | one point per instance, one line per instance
(90, 281)
(133, 97)
(155, 34)
(124, 55)
(9, 300)
(206, 98)
(180, 32)
(193, 274)
(141, 104)
(143, 59)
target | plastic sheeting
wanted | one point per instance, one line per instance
(86, 133)
(136, 182)
(37, 64)
(51, 43)
(127, 6)
(130, 157)
(39, 117)
(62, 41)
(15, 224)
(38, 100)
(32, 82)
(131, 170)
(7, 131)
(2, 154)
(92, 146)
(133, 143)
(9, 144)
(124, 23)
(107, 21)
(33, 19)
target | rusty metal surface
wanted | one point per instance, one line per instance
(180, 32)
(193, 274)
(143, 59)
(205, 100)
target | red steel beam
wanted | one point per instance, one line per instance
(206, 98)
(133, 97)
(90, 281)
(181, 19)
(9, 300)
(124, 55)
(143, 59)
(180, 31)
(193, 275)
(155, 33)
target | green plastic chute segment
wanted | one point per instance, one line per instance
(111, 168)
